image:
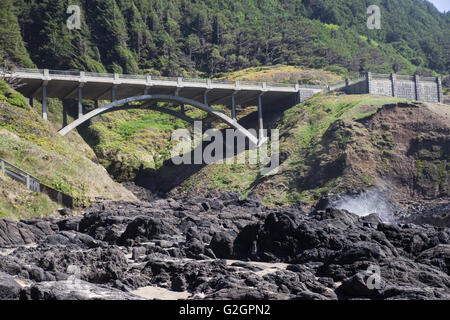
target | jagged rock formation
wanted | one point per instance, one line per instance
(221, 247)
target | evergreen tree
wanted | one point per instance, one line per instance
(12, 48)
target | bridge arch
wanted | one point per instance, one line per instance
(124, 104)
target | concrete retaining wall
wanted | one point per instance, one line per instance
(35, 185)
(425, 89)
(59, 197)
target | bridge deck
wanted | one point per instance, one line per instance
(98, 86)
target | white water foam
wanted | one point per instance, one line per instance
(366, 203)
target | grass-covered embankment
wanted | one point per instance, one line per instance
(63, 163)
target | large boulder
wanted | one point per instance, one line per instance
(145, 228)
(73, 290)
(9, 288)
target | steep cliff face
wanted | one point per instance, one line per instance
(406, 145)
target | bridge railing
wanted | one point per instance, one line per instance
(164, 78)
(132, 76)
(99, 75)
(313, 86)
(222, 81)
(61, 73)
(251, 83)
(193, 80)
(17, 174)
(28, 70)
(281, 85)
(64, 73)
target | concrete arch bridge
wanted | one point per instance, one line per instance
(122, 90)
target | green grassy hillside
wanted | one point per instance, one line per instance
(63, 163)
(337, 143)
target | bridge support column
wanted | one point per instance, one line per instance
(116, 83)
(233, 106)
(260, 118)
(44, 102)
(64, 113)
(205, 97)
(148, 85)
(32, 102)
(80, 101)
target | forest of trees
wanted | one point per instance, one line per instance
(192, 37)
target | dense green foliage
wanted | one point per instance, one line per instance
(12, 48)
(183, 37)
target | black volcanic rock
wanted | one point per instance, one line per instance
(146, 228)
(68, 290)
(14, 233)
(9, 288)
(178, 244)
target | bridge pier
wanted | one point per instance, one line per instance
(148, 84)
(44, 93)
(64, 113)
(233, 106)
(80, 101)
(205, 97)
(260, 117)
(44, 102)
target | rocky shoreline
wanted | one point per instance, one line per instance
(221, 247)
